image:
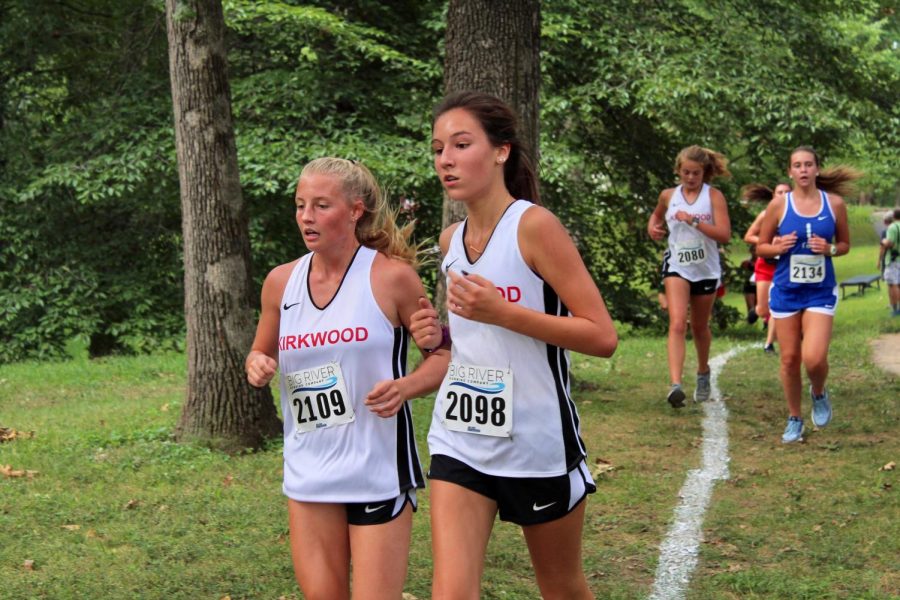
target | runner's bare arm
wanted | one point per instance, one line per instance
(262, 361)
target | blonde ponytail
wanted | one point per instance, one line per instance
(377, 227)
(714, 163)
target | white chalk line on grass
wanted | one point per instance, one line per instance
(678, 551)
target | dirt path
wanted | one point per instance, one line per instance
(886, 352)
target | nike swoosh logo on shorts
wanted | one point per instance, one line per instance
(537, 508)
(287, 306)
(823, 217)
(370, 510)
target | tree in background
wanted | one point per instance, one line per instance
(87, 151)
(89, 219)
(627, 84)
(493, 46)
(221, 407)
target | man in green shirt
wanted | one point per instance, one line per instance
(891, 243)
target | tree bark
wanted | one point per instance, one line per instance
(221, 408)
(493, 46)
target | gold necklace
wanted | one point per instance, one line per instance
(483, 246)
(489, 235)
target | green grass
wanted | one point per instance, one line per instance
(118, 510)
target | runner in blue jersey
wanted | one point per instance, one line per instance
(807, 229)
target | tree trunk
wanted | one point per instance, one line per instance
(221, 408)
(493, 46)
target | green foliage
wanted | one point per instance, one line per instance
(90, 191)
(89, 209)
(309, 81)
(88, 198)
(628, 84)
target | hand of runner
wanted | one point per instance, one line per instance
(260, 369)
(819, 245)
(474, 297)
(683, 216)
(385, 398)
(785, 242)
(425, 326)
(656, 232)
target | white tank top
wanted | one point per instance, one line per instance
(691, 254)
(370, 458)
(545, 437)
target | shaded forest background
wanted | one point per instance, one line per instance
(90, 223)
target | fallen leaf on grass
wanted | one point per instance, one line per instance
(408, 596)
(164, 407)
(28, 565)
(8, 471)
(8, 434)
(602, 467)
(72, 527)
(131, 504)
(228, 479)
(889, 467)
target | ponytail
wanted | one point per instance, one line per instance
(377, 227)
(834, 180)
(838, 180)
(714, 163)
(757, 192)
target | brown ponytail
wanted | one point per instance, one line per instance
(757, 192)
(834, 180)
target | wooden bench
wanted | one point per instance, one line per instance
(861, 282)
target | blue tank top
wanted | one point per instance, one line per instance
(798, 268)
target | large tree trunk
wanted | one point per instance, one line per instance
(493, 46)
(221, 408)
